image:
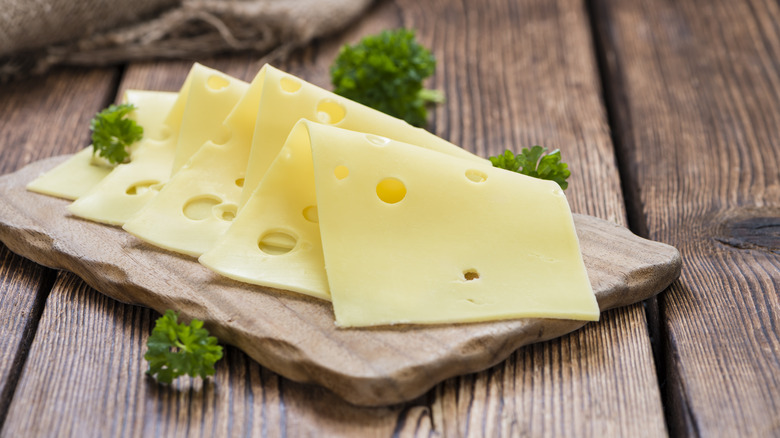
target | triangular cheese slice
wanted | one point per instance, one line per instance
(414, 236)
(77, 175)
(205, 99)
(210, 186)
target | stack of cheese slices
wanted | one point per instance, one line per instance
(283, 184)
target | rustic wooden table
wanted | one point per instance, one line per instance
(668, 114)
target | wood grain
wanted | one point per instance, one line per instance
(521, 95)
(28, 110)
(696, 108)
(23, 288)
(100, 389)
(518, 74)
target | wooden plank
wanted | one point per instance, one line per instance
(513, 79)
(99, 345)
(23, 288)
(697, 110)
(40, 117)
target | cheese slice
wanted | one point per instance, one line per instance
(77, 175)
(275, 239)
(205, 99)
(414, 236)
(452, 240)
(198, 204)
(201, 199)
(288, 99)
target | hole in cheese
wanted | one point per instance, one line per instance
(341, 172)
(240, 182)
(310, 214)
(140, 188)
(470, 275)
(217, 82)
(200, 207)
(289, 85)
(377, 140)
(391, 190)
(277, 243)
(226, 212)
(330, 112)
(222, 136)
(476, 176)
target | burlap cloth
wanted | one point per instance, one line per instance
(37, 34)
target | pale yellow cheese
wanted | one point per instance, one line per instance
(414, 236)
(415, 260)
(205, 99)
(310, 102)
(72, 178)
(77, 175)
(197, 205)
(275, 239)
(201, 199)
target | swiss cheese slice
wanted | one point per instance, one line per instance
(453, 240)
(275, 239)
(77, 175)
(410, 235)
(201, 199)
(130, 186)
(288, 99)
(198, 204)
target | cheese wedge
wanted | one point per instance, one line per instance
(198, 204)
(77, 175)
(205, 99)
(414, 236)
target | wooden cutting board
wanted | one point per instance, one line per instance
(294, 335)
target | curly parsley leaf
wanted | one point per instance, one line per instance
(386, 72)
(113, 133)
(533, 162)
(176, 349)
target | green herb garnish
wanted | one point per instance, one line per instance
(386, 72)
(533, 162)
(113, 133)
(176, 349)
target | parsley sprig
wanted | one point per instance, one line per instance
(386, 72)
(113, 133)
(533, 162)
(176, 349)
